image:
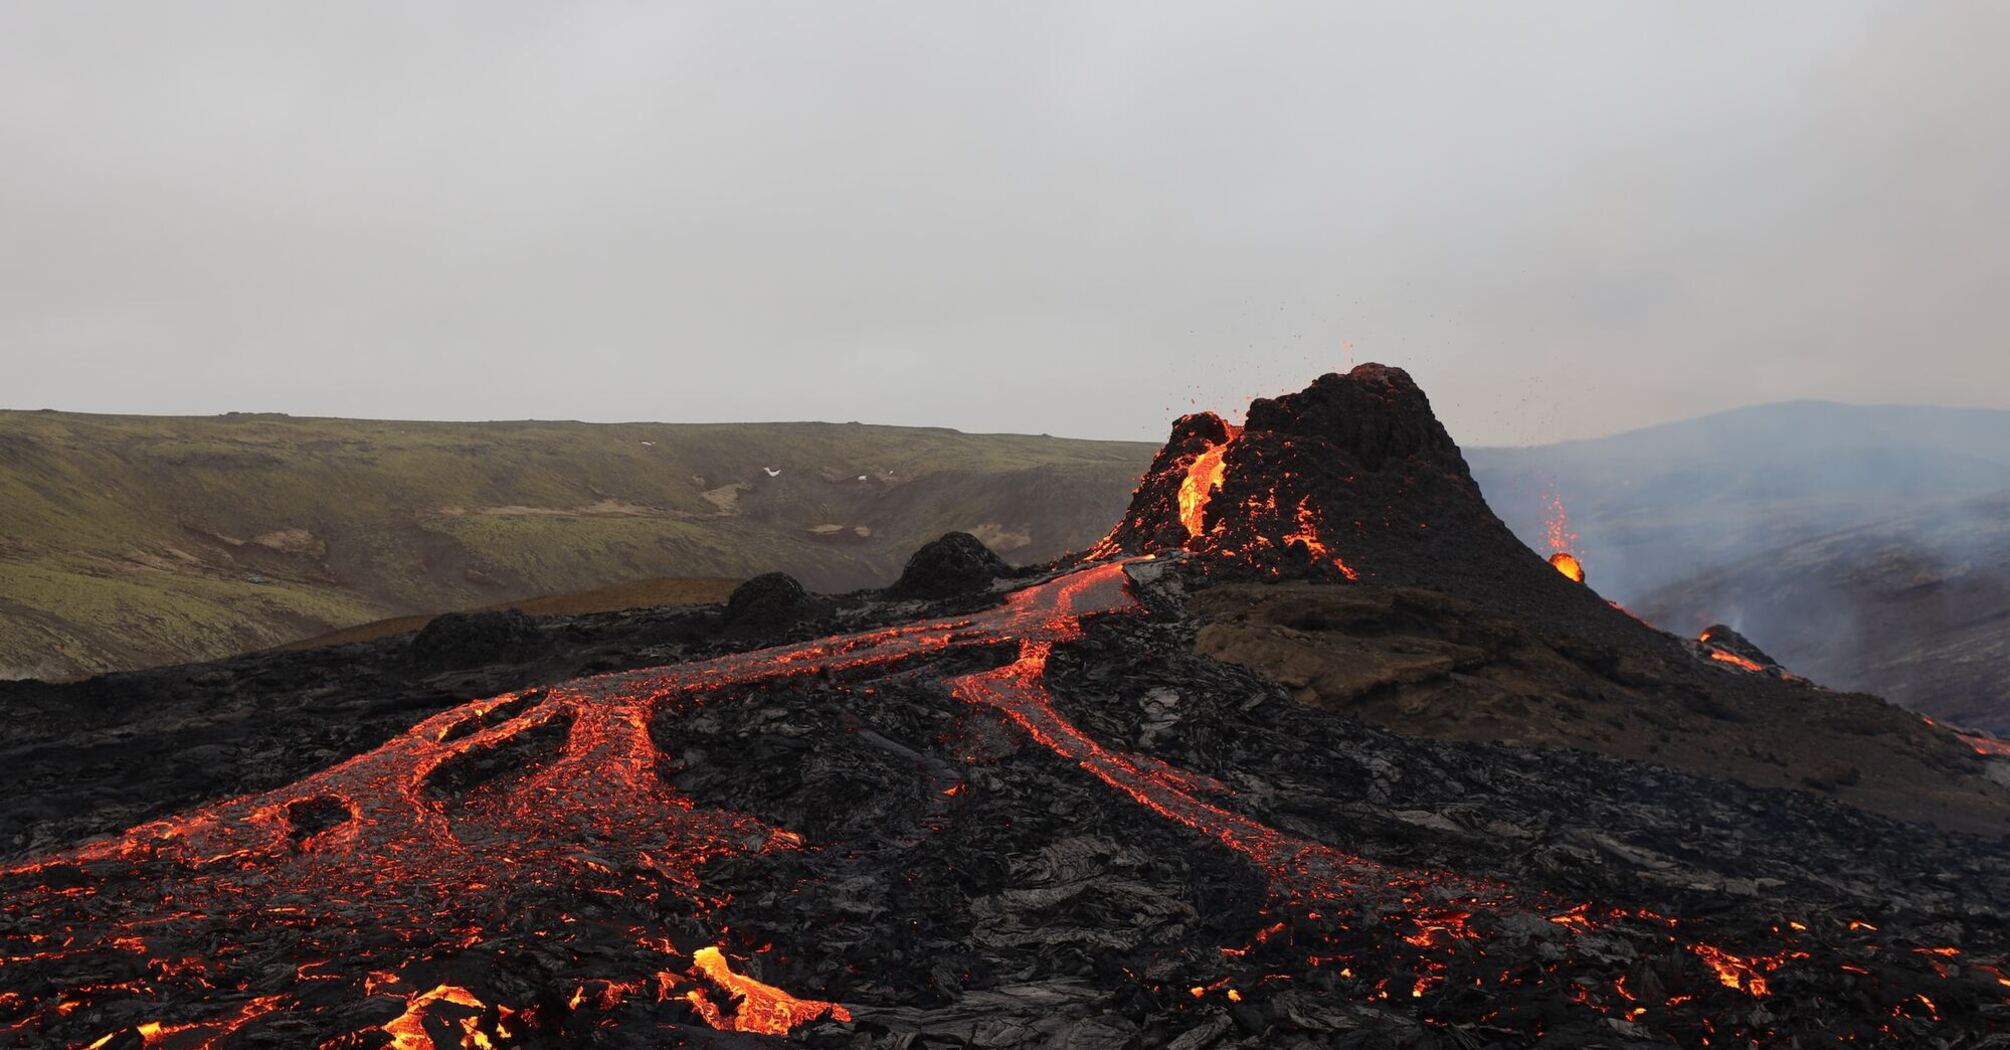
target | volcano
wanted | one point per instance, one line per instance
(996, 807)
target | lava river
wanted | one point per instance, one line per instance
(330, 912)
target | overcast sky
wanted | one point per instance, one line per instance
(1080, 218)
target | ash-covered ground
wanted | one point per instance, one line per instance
(980, 810)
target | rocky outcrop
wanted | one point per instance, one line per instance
(956, 563)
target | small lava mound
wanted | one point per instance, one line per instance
(767, 602)
(957, 563)
(453, 640)
(1720, 638)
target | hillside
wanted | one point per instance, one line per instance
(1863, 545)
(127, 541)
(1915, 607)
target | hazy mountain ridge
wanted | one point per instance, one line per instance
(134, 540)
(1863, 545)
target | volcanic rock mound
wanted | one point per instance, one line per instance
(468, 639)
(956, 563)
(767, 602)
(1352, 477)
(1721, 639)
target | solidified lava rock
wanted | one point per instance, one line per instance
(957, 563)
(767, 602)
(454, 640)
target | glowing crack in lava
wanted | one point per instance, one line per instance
(1733, 659)
(429, 837)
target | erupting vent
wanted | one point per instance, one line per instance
(1567, 564)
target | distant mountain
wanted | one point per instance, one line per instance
(127, 541)
(1867, 546)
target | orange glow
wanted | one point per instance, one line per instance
(408, 1029)
(1735, 660)
(763, 1008)
(1567, 564)
(1986, 745)
(1307, 533)
(1732, 971)
(1556, 523)
(1203, 476)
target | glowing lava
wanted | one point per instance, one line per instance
(454, 1007)
(1556, 523)
(763, 1008)
(1203, 477)
(1307, 533)
(1567, 564)
(1986, 745)
(433, 835)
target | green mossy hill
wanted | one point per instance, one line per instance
(131, 540)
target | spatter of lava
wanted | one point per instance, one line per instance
(157, 924)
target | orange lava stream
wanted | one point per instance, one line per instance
(1735, 660)
(598, 818)
(1203, 477)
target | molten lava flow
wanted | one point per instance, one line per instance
(763, 1008)
(1735, 660)
(461, 1014)
(1986, 745)
(1567, 564)
(1203, 477)
(423, 838)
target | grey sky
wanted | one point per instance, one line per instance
(1565, 219)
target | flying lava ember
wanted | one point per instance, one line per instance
(1556, 529)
